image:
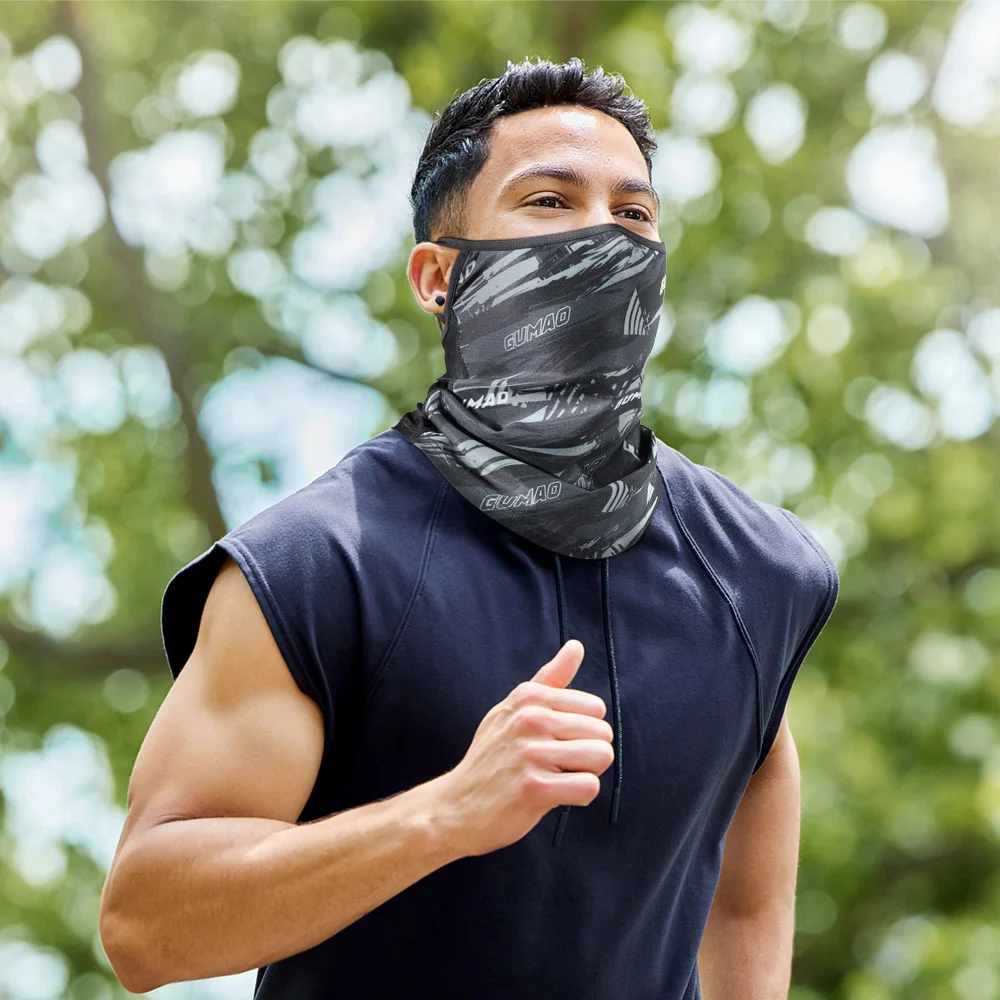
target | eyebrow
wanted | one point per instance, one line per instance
(625, 185)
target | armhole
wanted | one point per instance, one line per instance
(275, 621)
(184, 604)
(816, 626)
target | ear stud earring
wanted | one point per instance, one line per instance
(439, 300)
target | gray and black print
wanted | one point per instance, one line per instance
(537, 418)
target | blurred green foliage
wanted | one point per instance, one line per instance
(855, 420)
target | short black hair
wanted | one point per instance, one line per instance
(459, 139)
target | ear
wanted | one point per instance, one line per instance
(428, 271)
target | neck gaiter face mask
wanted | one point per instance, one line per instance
(536, 420)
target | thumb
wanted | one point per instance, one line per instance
(562, 668)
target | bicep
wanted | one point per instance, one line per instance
(761, 852)
(235, 735)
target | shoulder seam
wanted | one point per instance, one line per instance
(741, 625)
(824, 558)
(817, 622)
(414, 593)
(832, 588)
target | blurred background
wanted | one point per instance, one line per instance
(203, 226)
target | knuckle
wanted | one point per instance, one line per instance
(533, 785)
(532, 719)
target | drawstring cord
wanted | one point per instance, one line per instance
(616, 711)
(616, 708)
(561, 606)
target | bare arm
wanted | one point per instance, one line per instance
(213, 876)
(746, 951)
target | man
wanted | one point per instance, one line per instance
(381, 770)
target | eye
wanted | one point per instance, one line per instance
(637, 214)
(548, 201)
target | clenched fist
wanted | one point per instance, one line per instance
(542, 746)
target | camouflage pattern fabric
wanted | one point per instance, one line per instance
(536, 420)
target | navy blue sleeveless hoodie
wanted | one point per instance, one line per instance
(406, 614)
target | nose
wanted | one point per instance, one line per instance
(597, 213)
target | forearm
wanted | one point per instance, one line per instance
(190, 899)
(747, 956)
(746, 949)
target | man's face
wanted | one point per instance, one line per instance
(550, 170)
(555, 169)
